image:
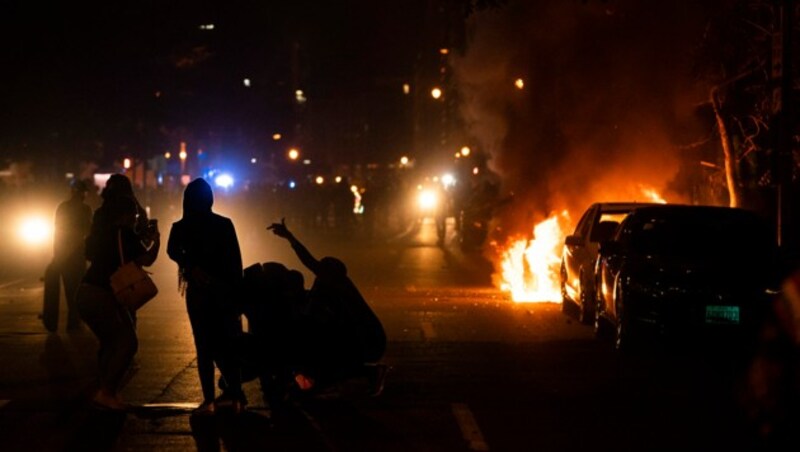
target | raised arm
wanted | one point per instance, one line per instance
(302, 252)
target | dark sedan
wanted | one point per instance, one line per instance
(684, 270)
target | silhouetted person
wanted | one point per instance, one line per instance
(111, 322)
(206, 249)
(118, 185)
(339, 332)
(72, 224)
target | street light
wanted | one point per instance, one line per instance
(436, 93)
(519, 83)
(293, 154)
(465, 151)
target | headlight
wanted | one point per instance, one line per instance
(34, 230)
(427, 200)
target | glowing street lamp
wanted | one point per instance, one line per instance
(276, 136)
(519, 83)
(436, 93)
(293, 154)
(465, 151)
(168, 155)
(126, 163)
(320, 180)
(404, 160)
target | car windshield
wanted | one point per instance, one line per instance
(702, 232)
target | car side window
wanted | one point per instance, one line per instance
(583, 225)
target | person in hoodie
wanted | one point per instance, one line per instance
(206, 249)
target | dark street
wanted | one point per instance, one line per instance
(470, 370)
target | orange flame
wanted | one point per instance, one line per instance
(652, 195)
(530, 268)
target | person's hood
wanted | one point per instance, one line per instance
(197, 198)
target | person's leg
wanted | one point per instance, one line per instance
(72, 274)
(117, 344)
(200, 319)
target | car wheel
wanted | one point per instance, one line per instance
(601, 329)
(624, 333)
(584, 312)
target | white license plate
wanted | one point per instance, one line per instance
(728, 315)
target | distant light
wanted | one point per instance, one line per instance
(465, 151)
(444, 51)
(292, 184)
(427, 200)
(519, 83)
(404, 160)
(354, 188)
(319, 180)
(436, 93)
(183, 155)
(185, 179)
(300, 97)
(406, 88)
(338, 179)
(126, 163)
(458, 155)
(475, 170)
(293, 154)
(253, 160)
(224, 181)
(167, 155)
(157, 94)
(276, 136)
(246, 82)
(306, 162)
(207, 27)
(436, 178)
(448, 180)
(69, 176)
(160, 179)
(35, 230)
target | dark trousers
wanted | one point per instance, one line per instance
(114, 327)
(72, 271)
(215, 326)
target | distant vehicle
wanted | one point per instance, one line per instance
(599, 222)
(685, 271)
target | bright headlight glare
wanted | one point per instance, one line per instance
(427, 199)
(34, 230)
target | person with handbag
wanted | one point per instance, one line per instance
(206, 249)
(111, 243)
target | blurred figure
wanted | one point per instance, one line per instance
(72, 224)
(772, 390)
(113, 324)
(339, 332)
(206, 249)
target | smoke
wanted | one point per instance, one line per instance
(607, 91)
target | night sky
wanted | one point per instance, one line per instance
(137, 74)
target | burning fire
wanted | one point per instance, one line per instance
(530, 268)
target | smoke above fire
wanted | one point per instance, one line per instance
(579, 101)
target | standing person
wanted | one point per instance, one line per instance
(206, 249)
(341, 332)
(72, 224)
(112, 323)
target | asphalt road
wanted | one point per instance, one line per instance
(470, 370)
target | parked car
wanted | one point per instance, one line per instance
(599, 222)
(685, 271)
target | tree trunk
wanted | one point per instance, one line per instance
(731, 176)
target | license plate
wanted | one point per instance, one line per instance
(722, 314)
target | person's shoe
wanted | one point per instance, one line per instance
(205, 409)
(104, 401)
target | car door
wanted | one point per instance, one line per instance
(577, 251)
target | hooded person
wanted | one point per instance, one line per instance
(206, 249)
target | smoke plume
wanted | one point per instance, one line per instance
(607, 97)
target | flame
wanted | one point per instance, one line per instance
(530, 268)
(652, 195)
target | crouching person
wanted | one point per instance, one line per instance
(338, 335)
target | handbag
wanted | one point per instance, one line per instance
(131, 284)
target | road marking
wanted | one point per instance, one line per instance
(3, 403)
(427, 331)
(9, 284)
(469, 427)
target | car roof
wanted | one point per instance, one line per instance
(623, 206)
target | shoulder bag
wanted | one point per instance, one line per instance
(131, 284)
